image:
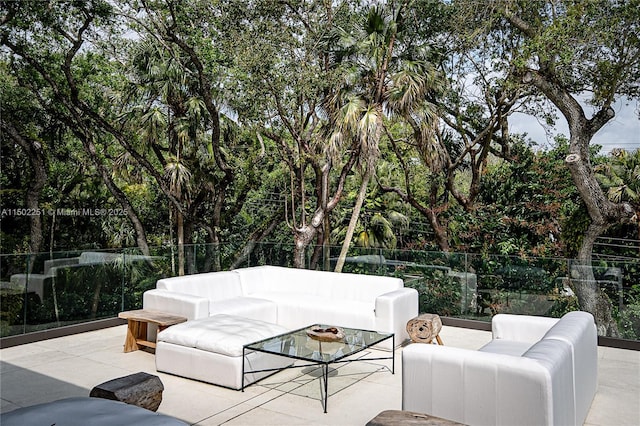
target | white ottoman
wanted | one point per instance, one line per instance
(210, 350)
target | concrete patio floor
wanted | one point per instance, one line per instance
(71, 366)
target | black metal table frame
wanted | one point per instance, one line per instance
(324, 364)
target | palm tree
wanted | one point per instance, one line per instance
(377, 80)
(379, 232)
(621, 179)
(170, 120)
(359, 103)
(179, 178)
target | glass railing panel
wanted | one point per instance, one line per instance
(14, 302)
(47, 283)
(140, 273)
(271, 254)
(620, 281)
(48, 290)
(528, 286)
(624, 282)
(443, 281)
(75, 286)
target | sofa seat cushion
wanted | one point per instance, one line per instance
(506, 347)
(296, 310)
(221, 334)
(248, 307)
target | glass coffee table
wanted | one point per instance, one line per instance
(298, 345)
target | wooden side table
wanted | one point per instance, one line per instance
(137, 322)
(424, 328)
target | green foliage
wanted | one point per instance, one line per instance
(379, 234)
(11, 309)
(621, 177)
(529, 204)
(438, 293)
(273, 70)
(235, 115)
(526, 278)
(562, 305)
(629, 317)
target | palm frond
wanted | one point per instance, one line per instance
(179, 177)
(398, 219)
(615, 193)
(369, 129)
(153, 125)
(621, 176)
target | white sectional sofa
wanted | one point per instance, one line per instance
(535, 371)
(292, 298)
(229, 309)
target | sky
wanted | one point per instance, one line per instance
(623, 131)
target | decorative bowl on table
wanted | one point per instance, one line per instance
(325, 334)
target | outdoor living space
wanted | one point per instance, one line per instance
(71, 366)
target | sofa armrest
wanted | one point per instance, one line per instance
(520, 328)
(474, 387)
(171, 302)
(394, 309)
(578, 329)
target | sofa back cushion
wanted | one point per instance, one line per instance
(214, 286)
(364, 288)
(260, 279)
(343, 286)
(520, 328)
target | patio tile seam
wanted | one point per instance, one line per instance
(301, 381)
(245, 402)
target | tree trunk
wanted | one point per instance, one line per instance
(95, 300)
(355, 215)
(141, 236)
(215, 250)
(257, 236)
(587, 287)
(442, 237)
(302, 238)
(180, 228)
(590, 297)
(601, 211)
(326, 244)
(37, 159)
(213, 261)
(318, 251)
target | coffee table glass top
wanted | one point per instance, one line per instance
(297, 344)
